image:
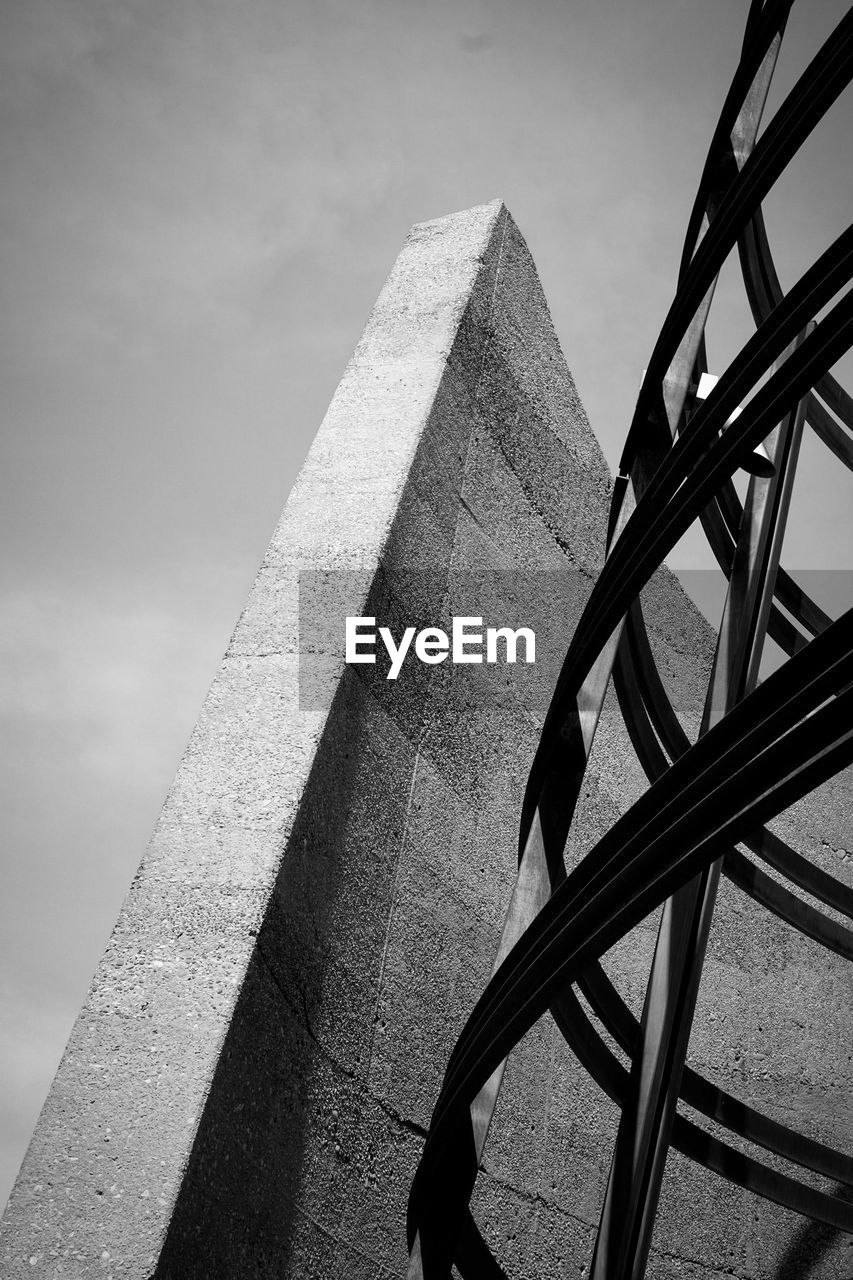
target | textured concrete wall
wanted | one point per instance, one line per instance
(245, 1091)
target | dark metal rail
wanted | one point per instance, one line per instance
(760, 746)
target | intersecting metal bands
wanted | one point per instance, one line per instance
(760, 747)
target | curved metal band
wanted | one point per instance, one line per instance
(814, 93)
(650, 718)
(716, 1103)
(689, 1138)
(706, 800)
(787, 736)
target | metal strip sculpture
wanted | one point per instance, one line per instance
(760, 747)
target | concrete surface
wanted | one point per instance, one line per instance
(245, 1091)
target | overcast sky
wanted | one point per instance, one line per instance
(200, 201)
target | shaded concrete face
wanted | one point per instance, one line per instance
(246, 1090)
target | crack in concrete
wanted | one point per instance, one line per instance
(411, 1126)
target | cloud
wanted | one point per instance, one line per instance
(478, 43)
(99, 689)
(32, 1033)
(159, 165)
(99, 676)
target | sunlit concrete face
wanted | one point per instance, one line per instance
(247, 1087)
